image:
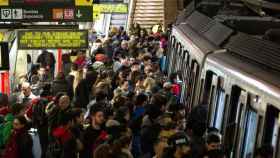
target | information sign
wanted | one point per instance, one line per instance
(110, 8)
(52, 39)
(4, 2)
(39, 14)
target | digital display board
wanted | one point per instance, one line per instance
(52, 39)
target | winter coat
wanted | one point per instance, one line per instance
(6, 129)
(46, 59)
(55, 115)
(90, 141)
(61, 86)
(19, 145)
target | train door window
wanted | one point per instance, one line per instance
(193, 82)
(275, 132)
(172, 54)
(207, 86)
(250, 130)
(271, 126)
(220, 105)
(184, 77)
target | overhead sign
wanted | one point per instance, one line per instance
(39, 14)
(52, 39)
(4, 2)
(108, 8)
(83, 2)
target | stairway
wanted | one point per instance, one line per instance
(151, 12)
(118, 20)
(147, 12)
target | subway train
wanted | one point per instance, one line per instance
(236, 74)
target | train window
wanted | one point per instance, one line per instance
(250, 131)
(193, 82)
(220, 101)
(220, 107)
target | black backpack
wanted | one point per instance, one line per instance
(39, 115)
(54, 149)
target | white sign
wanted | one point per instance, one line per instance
(6, 13)
(17, 14)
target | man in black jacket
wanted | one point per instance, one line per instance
(93, 132)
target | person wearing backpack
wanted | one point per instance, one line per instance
(64, 144)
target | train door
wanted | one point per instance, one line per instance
(240, 123)
(271, 132)
(232, 120)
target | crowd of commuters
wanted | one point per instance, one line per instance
(114, 102)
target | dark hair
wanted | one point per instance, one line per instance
(22, 120)
(103, 151)
(120, 143)
(46, 90)
(140, 99)
(100, 95)
(4, 99)
(213, 137)
(265, 151)
(74, 66)
(98, 41)
(58, 96)
(66, 118)
(159, 100)
(16, 108)
(76, 112)
(97, 107)
(60, 76)
(153, 111)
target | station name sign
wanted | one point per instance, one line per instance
(52, 39)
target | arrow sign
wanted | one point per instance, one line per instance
(79, 15)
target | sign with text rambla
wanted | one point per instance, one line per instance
(52, 39)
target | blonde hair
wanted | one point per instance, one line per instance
(78, 76)
(149, 84)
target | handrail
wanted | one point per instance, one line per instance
(264, 4)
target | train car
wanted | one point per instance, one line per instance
(236, 74)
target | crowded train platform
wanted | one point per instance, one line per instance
(196, 84)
